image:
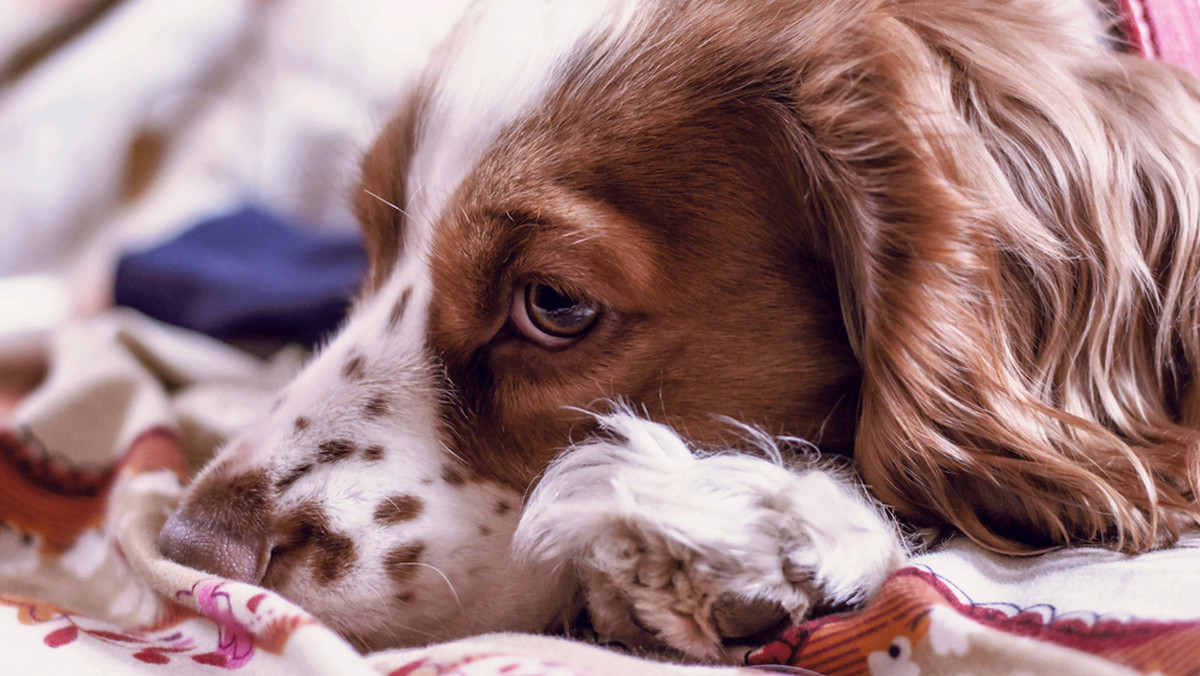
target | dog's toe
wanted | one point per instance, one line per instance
(696, 551)
(735, 617)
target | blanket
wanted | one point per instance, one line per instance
(125, 122)
(95, 454)
(101, 438)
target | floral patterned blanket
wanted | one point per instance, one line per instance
(99, 419)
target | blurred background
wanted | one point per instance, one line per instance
(194, 161)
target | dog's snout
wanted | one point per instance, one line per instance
(222, 529)
(198, 544)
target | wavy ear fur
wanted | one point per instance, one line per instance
(1013, 216)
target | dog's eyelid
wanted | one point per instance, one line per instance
(552, 316)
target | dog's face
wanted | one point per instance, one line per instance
(538, 252)
(865, 224)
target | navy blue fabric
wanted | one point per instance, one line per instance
(246, 278)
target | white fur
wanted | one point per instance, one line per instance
(468, 583)
(664, 536)
(498, 64)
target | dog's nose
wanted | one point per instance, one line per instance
(213, 549)
(221, 529)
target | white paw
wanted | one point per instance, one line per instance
(693, 551)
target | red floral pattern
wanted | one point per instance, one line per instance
(153, 646)
(842, 644)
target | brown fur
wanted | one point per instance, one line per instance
(399, 509)
(942, 233)
(305, 538)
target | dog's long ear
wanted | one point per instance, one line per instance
(1015, 223)
(381, 195)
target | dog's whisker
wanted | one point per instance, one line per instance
(452, 453)
(825, 422)
(437, 570)
(390, 204)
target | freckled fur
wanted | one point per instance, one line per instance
(401, 562)
(377, 405)
(355, 369)
(397, 313)
(308, 539)
(292, 476)
(453, 475)
(335, 450)
(399, 509)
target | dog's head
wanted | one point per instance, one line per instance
(819, 218)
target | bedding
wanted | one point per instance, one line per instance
(147, 118)
(93, 457)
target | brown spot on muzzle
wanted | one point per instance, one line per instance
(377, 405)
(398, 309)
(295, 474)
(306, 537)
(403, 562)
(223, 527)
(453, 475)
(335, 450)
(355, 369)
(399, 509)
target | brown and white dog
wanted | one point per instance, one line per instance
(957, 239)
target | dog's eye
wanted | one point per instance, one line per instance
(551, 317)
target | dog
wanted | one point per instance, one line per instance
(632, 261)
